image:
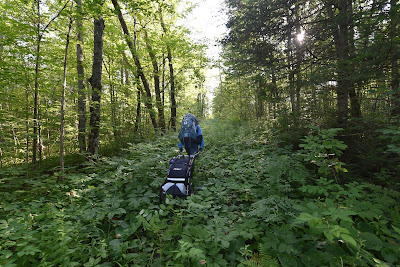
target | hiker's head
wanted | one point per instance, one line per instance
(191, 115)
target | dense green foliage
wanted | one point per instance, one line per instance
(320, 64)
(123, 108)
(301, 162)
(316, 62)
(256, 203)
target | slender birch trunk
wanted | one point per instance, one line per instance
(62, 128)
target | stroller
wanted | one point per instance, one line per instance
(180, 174)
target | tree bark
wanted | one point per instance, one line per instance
(113, 102)
(290, 70)
(27, 123)
(36, 92)
(394, 58)
(139, 91)
(172, 91)
(156, 75)
(355, 107)
(299, 58)
(163, 81)
(95, 81)
(138, 108)
(171, 75)
(36, 124)
(140, 73)
(341, 34)
(62, 130)
(201, 99)
(81, 82)
(274, 92)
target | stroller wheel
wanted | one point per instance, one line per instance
(191, 189)
(162, 196)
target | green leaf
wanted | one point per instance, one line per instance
(305, 217)
(115, 244)
(349, 239)
(380, 263)
(287, 260)
(6, 253)
(371, 241)
(224, 244)
(389, 255)
(196, 253)
(3, 224)
(282, 247)
(329, 235)
(396, 229)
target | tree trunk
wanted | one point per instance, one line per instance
(114, 103)
(140, 72)
(299, 58)
(139, 91)
(95, 81)
(81, 82)
(62, 131)
(201, 102)
(355, 107)
(172, 92)
(274, 93)
(138, 108)
(27, 123)
(259, 97)
(36, 92)
(290, 70)
(340, 31)
(171, 75)
(36, 124)
(394, 57)
(163, 81)
(156, 74)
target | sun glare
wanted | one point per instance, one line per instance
(300, 37)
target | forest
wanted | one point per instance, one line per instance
(301, 162)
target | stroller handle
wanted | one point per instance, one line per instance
(192, 156)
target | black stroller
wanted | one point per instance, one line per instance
(180, 174)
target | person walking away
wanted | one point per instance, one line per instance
(190, 136)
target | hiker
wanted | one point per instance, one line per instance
(190, 135)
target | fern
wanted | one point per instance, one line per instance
(262, 259)
(272, 208)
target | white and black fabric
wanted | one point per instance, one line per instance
(179, 174)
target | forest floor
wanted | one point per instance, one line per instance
(255, 204)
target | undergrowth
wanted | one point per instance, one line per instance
(255, 204)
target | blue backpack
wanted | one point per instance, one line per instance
(188, 132)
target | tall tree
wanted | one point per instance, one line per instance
(18, 58)
(140, 72)
(299, 56)
(81, 80)
(171, 73)
(95, 81)
(341, 31)
(394, 56)
(36, 94)
(64, 85)
(156, 76)
(36, 124)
